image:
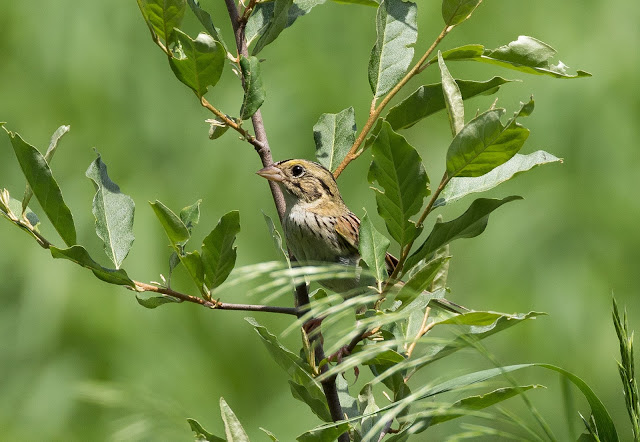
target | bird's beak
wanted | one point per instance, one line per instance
(272, 173)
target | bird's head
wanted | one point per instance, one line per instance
(304, 180)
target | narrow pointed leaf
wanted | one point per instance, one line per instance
(373, 247)
(452, 98)
(232, 427)
(397, 31)
(398, 169)
(270, 434)
(455, 12)
(348, 403)
(276, 24)
(318, 406)
(334, 135)
(173, 226)
(328, 433)
(190, 215)
(459, 187)
(202, 63)
(468, 225)
(484, 143)
(297, 370)
(113, 212)
(155, 301)
(421, 280)
(218, 253)
(205, 19)
(367, 405)
(277, 238)
(479, 402)
(162, 16)
(48, 156)
(429, 99)
(202, 435)
(526, 54)
(193, 263)
(81, 257)
(474, 326)
(254, 93)
(44, 187)
(440, 280)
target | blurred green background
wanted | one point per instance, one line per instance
(81, 360)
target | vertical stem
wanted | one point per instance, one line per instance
(302, 295)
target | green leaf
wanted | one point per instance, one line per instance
(173, 226)
(324, 433)
(274, 26)
(201, 63)
(468, 225)
(479, 402)
(455, 12)
(48, 156)
(334, 135)
(348, 403)
(270, 434)
(367, 405)
(254, 93)
(15, 207)
(190, 215)
(317, 405)
(263, 13)
(373, 247)
(398, 169)
(232, 426)
(217, 128)
(81, 257)
(45, 188)
(294, 366)
(205, 19)
(429, 99)
(452, 98)
(162, 16)
(420, 280)
(526, 54)
(484, 143)
(193, 263)
(474, 326)
(440, 280)
(154, 301)
(358, 2)
(277, 238)
(397, 32)
(460, 187)
(218, 253)
(113, 212)
(202, 434)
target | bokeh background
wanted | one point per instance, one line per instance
(81, 360)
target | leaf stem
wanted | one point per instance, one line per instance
(375, 112)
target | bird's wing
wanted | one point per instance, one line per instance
(348, 229)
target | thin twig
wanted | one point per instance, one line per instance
(373, 116)
(141, 286)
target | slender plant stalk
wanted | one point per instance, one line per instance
(302, 296)
(376, 111)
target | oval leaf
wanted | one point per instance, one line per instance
(218, 253)
(397, 31)
(468, 225)
(484, 143)
(80, 256)
(113, 212)
(274, 24)
(162, 16)
(373, 247)
(202, 62)
(526, 54)
(44, 187)
(398, 169)
(455, 12)
(254, 93)
(334, 135)
(173, 226)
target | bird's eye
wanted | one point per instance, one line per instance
(297, 171)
